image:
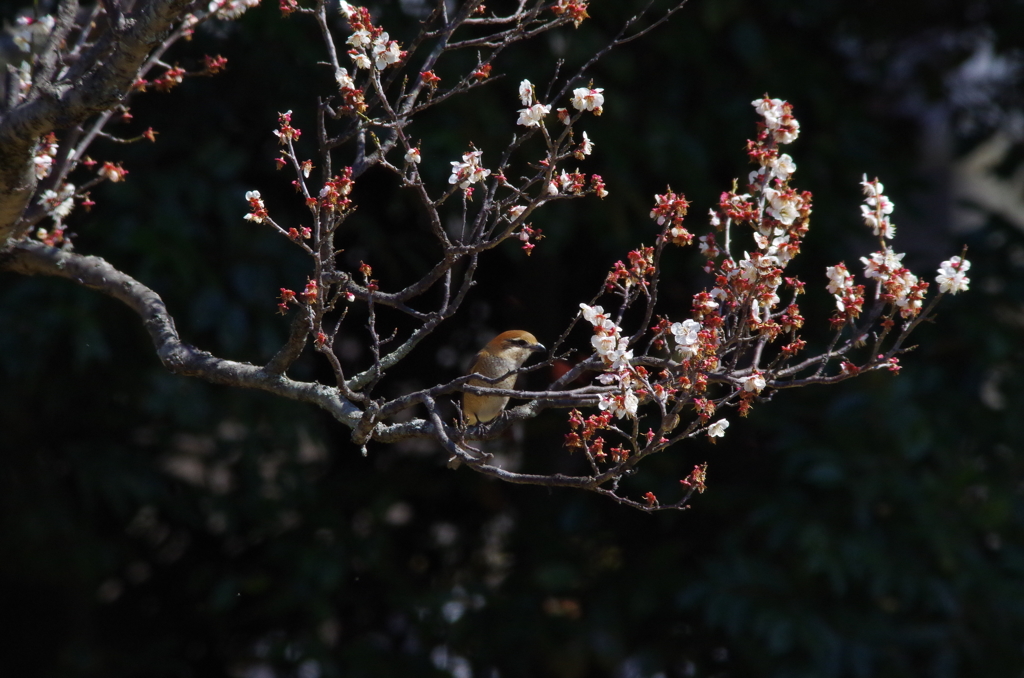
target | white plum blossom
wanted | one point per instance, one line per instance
(630, 402)
(685, 334)
(346, 9)
(413, 156)
(386, 52)
(526, 92)
(532, 115)
(747, 268)
(620, 358)
(771, 247)
(586, 145)
(621, 406)
(952, 276)
(588, 99)
(604, 343)
(839, 278)
(788, 133)
(344, 80)
(769, 109)
(784, 206)
(754, 383)
(592, 314)
(882, 264)
(717, 430)
(516, 211)
(871, 188)
(360, 59)
(595, 316)
(783, 167)
(360, 38)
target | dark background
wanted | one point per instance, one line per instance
(152, 525)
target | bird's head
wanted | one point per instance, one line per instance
(514, 345)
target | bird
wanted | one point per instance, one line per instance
(505, 353)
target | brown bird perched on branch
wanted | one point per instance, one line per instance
(503, 354)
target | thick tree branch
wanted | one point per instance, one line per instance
(34, 258)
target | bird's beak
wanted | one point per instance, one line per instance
(538, 348)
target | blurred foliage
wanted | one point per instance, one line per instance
(157, 526)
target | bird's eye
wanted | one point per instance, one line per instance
(519, 342)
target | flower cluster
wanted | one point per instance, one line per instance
(614, 351)
(583, 99)
(334, 194)
(309, 294)
(58, 205)
(849, 297)
(526, 232)
(257, 210)
(574, 9)
(285, 132)
(371, 45)
(112, 172)
(639, 272)
(607, 341)
(531, 116)
(534, 113)
(214, 65)
(43, 159)
(778, 119)
(171, 78)
(899, 285)
(469, 171)
(876, 209)
(582, 435)
(778, 215)
(670, 210)
(588, 99)
(570, 183)
(352, 96)
(698, 476)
